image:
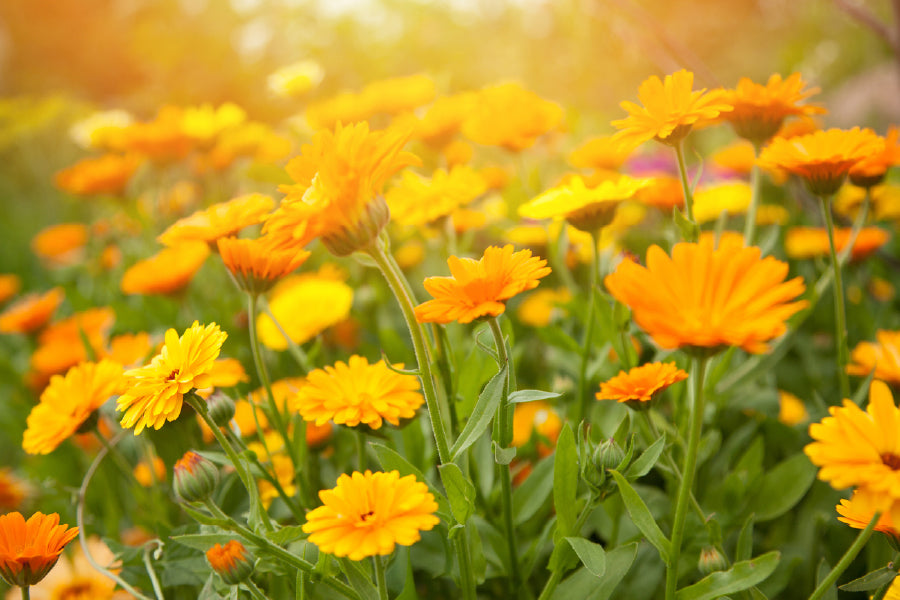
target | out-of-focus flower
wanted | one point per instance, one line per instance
(68, 402)
(540, 308)
(283, 469)
(853, 447)
(883, 357)
(601, 153)
(760, 110)
(219, 220)
(731, 197)
(255, 264)
(398, 94)
(61, 245)
(9, 286)
(129, 349)
(810, 242)
(480, 288)
(29, 549)
(871, 170)
(662, 192)
(791, 410)
(495, 178)
(204, 123)
(225, 373)
(147, 475)
(670, 108)
(444, 118)
(641, 385)
(822, 159)
(232, 562)
(256, 141)
(588, 209)
(167, 271)
(101, 130)
(162, 140)
(458, 153)
(510, 116)
(356, 392)
(108, 174)
(368, 514)
(30, 312)
(417, 201)
(537, 417)
(62, 344)
(155, 393)
(12, 490)
(346, 107)
(296, 79)
(708, 298)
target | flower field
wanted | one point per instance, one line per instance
(388, 300)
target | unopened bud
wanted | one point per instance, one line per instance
(195, 477)
(232, 562)
(221, 409)
(710, 561)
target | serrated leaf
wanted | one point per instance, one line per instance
(532, 395)
(533, 492)
(870, 581)
(642, 465)
(739, 577)
(460, 491)
(482, 414)
(565, 482)
(641, 516)
(592, 555)
(782, 487)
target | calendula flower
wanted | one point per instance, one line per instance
(870, 171)
(345, 107)
(510, 116)
(101, 130)
(601, 153)
(204, 123)
(108, 174)
(791, 409)
(356, 392)
(155, 393)
(68, 402)
(61, 245)
(709, 298)
(339, 177)
(74, 578)
(858, 511)
(670, 108)
(162, 140)
(588, 209)
(31, 312)
(883, 357)
(539, 418)
(232, 562)
(540, 308)
(296, 79)
(480, 288)
(129, 349)
(256, 264)
(860, 448)
(810, 242)
(731, 197)
(759, 110)
(219, 220)
(822, 159)
(62, 344)
(444, 118)
(167, 271)
(368, 514)
(418, 201)
(398, 94)
(662, 192)
(641, 384)
(29, 549)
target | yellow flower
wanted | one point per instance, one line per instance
(61, 245)
(162, 140)
(871, 170)
(398, 94)
(759, 110)
(536, 417)
(862, 506)
(296, 79)
(203, 123)
(708, 298)
(31, 312)
(155, 393)
(225, 372)
(255, 264)
(219, 220)
(810, 242)
(641, 384)
(167, 271)
(147, 476)
(511, 117)
(791, 410)
(61, 344)
(883, 357)
(284, 473)
(101, 130)
(417, 201)
(29, 549)
(670, 108)
(709, 202)
(368, 514)
(444, 118)
(857, 448)
(540, 308)
(357, 392)
(480, 288)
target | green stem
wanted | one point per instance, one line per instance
(755, 180)
(254, 591)
(584, 398)
(26, 592)
(380, 580)
(685, 185)
(883, 590)
(690, 464)
(465, 567)
(154, 580)
(361, 450)
(846, 559)
(556, 576)
(840, 315)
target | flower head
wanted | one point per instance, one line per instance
(601, 153)
(368, 514)
(61, 245)
(418, 201)
(255, 264)
(810, 242)
(9, 286)
(510, 116)
(167, 271)
(480, 288)
(357, 392)
(586, 208)
(74, 578)
(883, 357)
(870, 171)
(705, 297)
(62, 343)
(444, 118)
(194, 478)
(862, 506)
(29, 549)
(219, 220)
(155, 393)
(108, 174)
(31, 312)
(791, 409)
(732, 198)
(759, 110)
(670, 108)
(641, 384)
(537, 417)
(232, 562)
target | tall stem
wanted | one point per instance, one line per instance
(465, 566)
(687, 480)
(840, 318)
(846, 559)
(584, 398)
(380, 580)
(685, 185)
(750, 223)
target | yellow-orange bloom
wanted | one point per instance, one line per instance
(822, 159)
(167, 271)
(536, 417)
(368, 514)
(480, 288)
(61, 245)
(417, 201)
(510, 116)
(356, 392)
(602, 153)
(641, 384)
(444, 118)
(759, 110)
(162, 140)
(664, 193)
(155, 393)
(68, 402)
(219, 220)
(705, 297)
(871, 171)
(31, 312)
(586, 208)
(791, 409)
(810, 242)
(147, 476)
(862, 506)
(74, 578)
(9, 286)
(295, 79)
(860, 448)
(255, 264)
(670, 108)
(108, 174)
(62, 343)
(232, 562)
(883, 357)
(29, 549)
(544, 306)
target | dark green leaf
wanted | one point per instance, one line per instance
(359, 578)
(647, 459)
(641, 516)
(782, 487)
(565, 482)
(482, 414)
(592, 555)
(583, 585)
(460, 491)
(870, 581)
(532, 395)
(739, 577)
(744, 548)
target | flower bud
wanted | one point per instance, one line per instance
(711, 560)
(232, 562)
(195, 477)
(607, 455)
(221, 409)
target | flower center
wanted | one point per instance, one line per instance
(171, 376)
(367, 516)
(891, 460)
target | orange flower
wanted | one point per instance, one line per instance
(641, 384)
(510, 116)
(339, 178)
(9, 286)
(760, 110)
(862, 506)
(822, 159)
(708, 298)
(663, 192)
(167, 271)
(108, 174)
(232, 561)
(129, 349)
(62, 344)
(29, 549)
(601, 153)
(883, 357)
(791, 410)
(444, 118)
(810, 242)
(871, 171)
(147, 476)
(255, 264)
(670, 108)
(219, 220)
(61, 245)
(536, 417)
(480, 288)
(31, 312)
(162, 140)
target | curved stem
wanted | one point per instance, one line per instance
(750, 222)
(846, 559)
(154, 580)
(685, 185)
(584, 398)
(690, 464)
(840, 316)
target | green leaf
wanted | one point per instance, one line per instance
(744, 548)
(591, 554)
(286, 535)
(641, 516)
(532, 395)
(203, 541)
(583, 585)
(534, 491)
(391, 461)
(783, 487)
(502, 456)
(460, 491)
(689, 229)
(870, 581)
(565, 482)
(482, 414)
(359, 579)
(739, 577)
(647, 459)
